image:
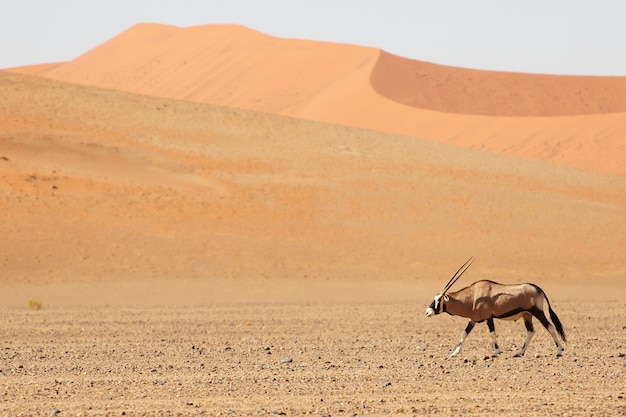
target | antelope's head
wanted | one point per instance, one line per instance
(435, 306)
(442, 297)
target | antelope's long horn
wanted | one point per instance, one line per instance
(457, 275)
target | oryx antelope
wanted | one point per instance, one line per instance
(488, 300)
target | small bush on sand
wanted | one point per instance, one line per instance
(34, 304)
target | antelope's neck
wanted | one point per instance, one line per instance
(456, 305)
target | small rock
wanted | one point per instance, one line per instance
(286, 360)
(621, 355)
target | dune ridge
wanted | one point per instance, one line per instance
(566, 120)
(492, 93)
(209, 64)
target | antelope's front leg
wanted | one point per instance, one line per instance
(530, 331)
(492, 331)
(467, 331)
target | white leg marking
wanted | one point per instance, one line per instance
(559, 347)
(457, 349)
(529, 336)
(552, 331)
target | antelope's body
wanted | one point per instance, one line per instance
(488, 300)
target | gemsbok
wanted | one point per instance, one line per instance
(488, 300)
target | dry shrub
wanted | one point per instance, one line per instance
(34, 304)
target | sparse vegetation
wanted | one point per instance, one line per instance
(34, 304)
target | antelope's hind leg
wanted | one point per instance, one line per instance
(541, 316)
(492, 332)
(467, 331)
(530, 329)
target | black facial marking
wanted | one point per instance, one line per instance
(439, 305)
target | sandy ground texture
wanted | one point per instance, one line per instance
(337, 359)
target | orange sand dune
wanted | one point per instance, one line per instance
(575, 121)
(465, 91)
(111, 197)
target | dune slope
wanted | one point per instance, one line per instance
(101, 186)
(567, 120)
(491, 93)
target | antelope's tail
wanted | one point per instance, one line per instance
(554, 317)
(557, 322)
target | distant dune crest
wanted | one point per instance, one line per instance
(194, 63)
(568, 120)
(466, 91)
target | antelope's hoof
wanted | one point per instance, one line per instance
(559, 355)
(518, 355)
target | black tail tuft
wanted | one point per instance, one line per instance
(557, 324)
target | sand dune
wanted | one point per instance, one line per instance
(101, 186)
(106, 186)
(465, 91)
(567, 120)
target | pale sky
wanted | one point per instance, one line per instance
(585, 37)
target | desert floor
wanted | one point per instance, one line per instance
(337, 358)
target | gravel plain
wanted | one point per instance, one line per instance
(334, 359)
